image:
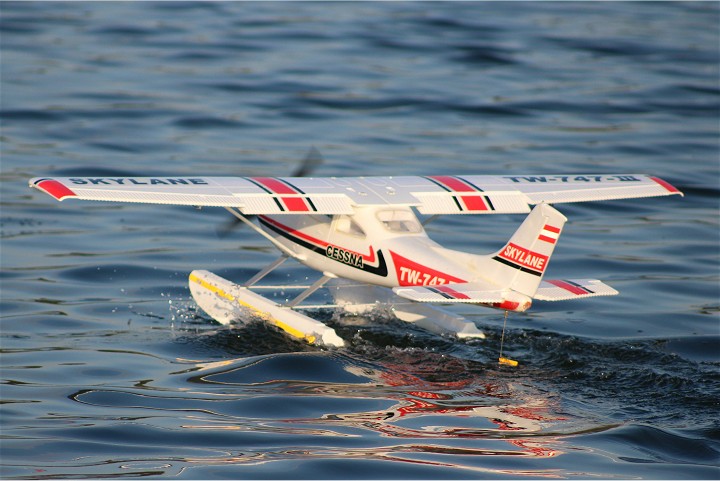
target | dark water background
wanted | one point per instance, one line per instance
(109, 369)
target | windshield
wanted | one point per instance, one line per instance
(346, 225)
(402, 221)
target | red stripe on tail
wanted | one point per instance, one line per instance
(552, 229)
(549, 240)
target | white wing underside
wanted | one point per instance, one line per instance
(470, 194)
(463, 293)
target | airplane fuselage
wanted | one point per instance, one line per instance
(382, 246)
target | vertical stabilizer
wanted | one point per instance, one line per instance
(521, 263)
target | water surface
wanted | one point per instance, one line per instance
(109, 368)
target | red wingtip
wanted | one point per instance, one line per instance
(55, 189)
(666, 185)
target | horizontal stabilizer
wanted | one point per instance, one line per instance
(471, 292)
(564, 289)
(476, 292)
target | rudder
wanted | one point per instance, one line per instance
(521, 263)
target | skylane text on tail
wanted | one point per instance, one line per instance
(364, 234)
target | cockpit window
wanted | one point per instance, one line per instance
(402, 221)
(346, 225)
(320, 219)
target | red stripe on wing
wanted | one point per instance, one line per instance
(578, 291)
(474, 202)
(55, 189)
(295, 204)
(276, 186)
(451, 292)
(453, 183)
(667, 185)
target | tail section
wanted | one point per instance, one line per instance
(512, 277)
(521, 263)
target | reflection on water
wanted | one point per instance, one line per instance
(473, 415)
(370, 403)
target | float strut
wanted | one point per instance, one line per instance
(254, 279)
(301, 297)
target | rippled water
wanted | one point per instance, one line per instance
(110, 370)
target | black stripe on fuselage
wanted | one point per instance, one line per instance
(381, 269)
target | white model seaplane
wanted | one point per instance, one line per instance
(365, 231)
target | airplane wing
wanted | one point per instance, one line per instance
(440, 194)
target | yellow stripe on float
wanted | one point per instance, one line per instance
(211, 288)
(290, 330)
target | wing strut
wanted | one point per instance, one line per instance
(430, 219)
(257, 229)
